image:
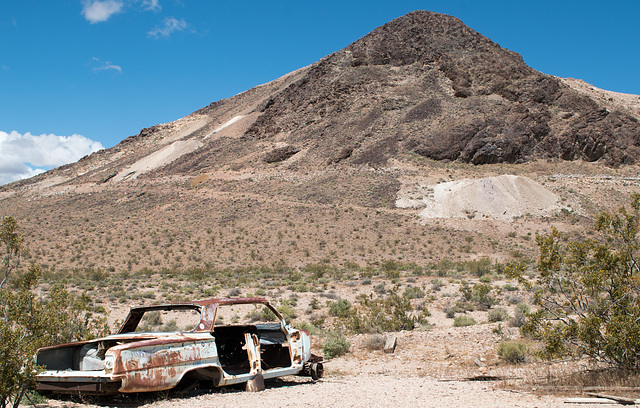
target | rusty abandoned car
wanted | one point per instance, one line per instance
(220, 342)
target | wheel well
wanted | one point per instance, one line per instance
(211, 375)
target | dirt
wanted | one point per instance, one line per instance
(372, 391)
(498, 198)
(435, 368)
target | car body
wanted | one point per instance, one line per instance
(218, 348)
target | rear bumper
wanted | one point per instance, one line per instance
(77, 382)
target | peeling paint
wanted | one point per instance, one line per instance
(142, 362)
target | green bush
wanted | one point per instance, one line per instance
(393, 313)
(463, 321)
(335, 345)
(413, 293)
(509, 287)
(513, 351)
(340, 308)
(308, 326)
(497, 315)
(480, 294)
(287, 311)
(480, 266)
(450, 311)
(436, 285)
(29, 321)
(587, 291)
(520, 315)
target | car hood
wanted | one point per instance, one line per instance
(128, 338)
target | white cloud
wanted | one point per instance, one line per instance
(168, 26)
(99, 65)
(151, 5)
(25, 155)
(96, 11)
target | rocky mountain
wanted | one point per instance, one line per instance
(297, 169)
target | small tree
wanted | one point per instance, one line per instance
(28, 322)
(588, 292)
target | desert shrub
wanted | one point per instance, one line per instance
(436, 285)
(340, 308)
(450, 311)
(513, 351)
(480, 294)
(391, 268)
(308, 326)
(335, 345)
(150, 321)
(29, 321)
(465, 306)
(497, 315)
(485, 279)
(444, 266)
(509, 287)
(380, 288)
(587, 291)
(520, 315)
(170, 326)
(287, 311)
(318, 270)
(412, 292)
(463, 321)
(480, 267)
(96, 275)
(374, 342)
(393, 313)
(266, 315)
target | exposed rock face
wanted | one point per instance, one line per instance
(439, 89)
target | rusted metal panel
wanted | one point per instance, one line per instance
(207, 318)
(252, 344)
(141, 362)
(161, 363)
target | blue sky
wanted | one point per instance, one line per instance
(78, 75)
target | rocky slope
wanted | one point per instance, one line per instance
(424, 83)
(310, 167)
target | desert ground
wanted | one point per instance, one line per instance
(434, 368)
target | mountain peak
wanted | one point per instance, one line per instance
(418, 36)
(423, 84)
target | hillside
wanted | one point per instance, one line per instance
(348, 160)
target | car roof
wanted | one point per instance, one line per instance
(203, 302)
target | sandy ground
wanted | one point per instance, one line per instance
(371, 391)
(367, 390)
(429, 368)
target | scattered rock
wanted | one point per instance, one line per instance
(390, 344)
(280, 154)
